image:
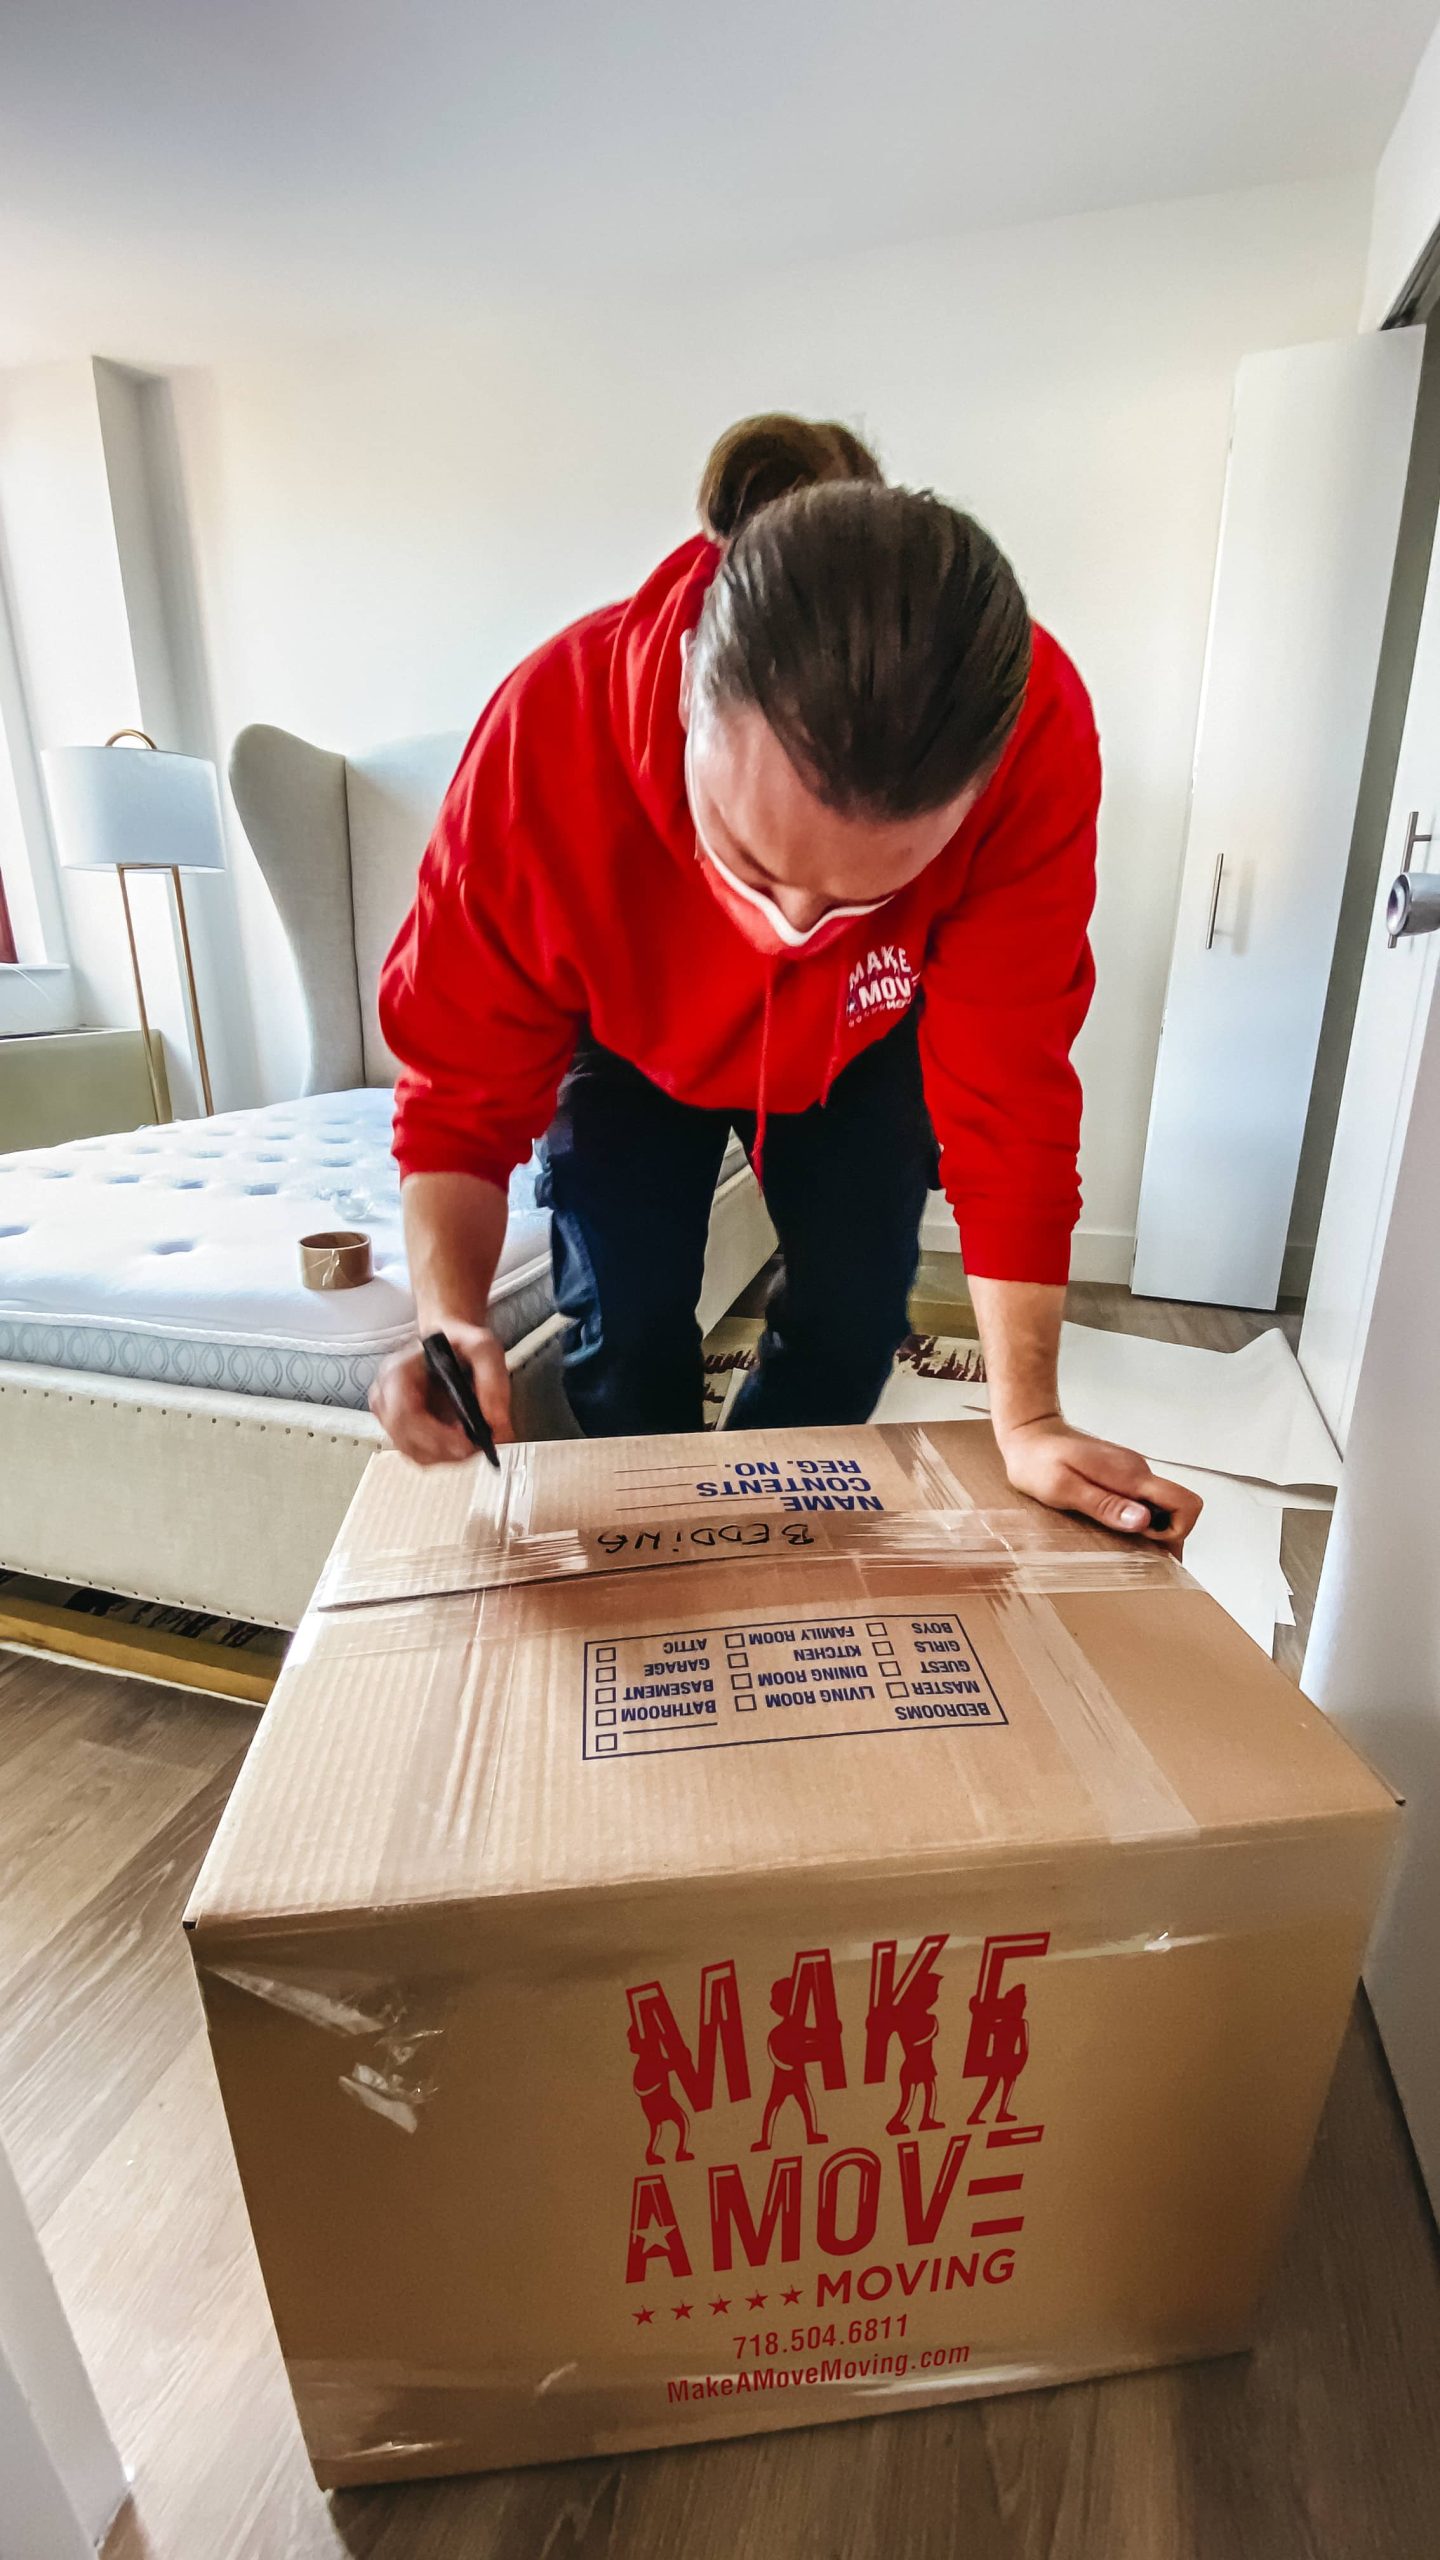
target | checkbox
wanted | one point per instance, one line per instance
(604, 1715)
(884, 1649)
(742, 1680)
(746, 1706)
(607, 1741)
(897, 1689)
(736, 1636)
(605, 1697)
(876, 1627)
(604, 1653)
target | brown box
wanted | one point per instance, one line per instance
(718, 1935)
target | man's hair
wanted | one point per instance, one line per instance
(881, 633)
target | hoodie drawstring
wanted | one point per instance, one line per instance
(757, 1152)
(832, 1063)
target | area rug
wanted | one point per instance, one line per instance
(951, 1359)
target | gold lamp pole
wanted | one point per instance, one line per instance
(192, 993)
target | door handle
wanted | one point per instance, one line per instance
(1214, 901)
(1413, 905)
(1412, 838)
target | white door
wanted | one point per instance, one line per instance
(1318, 456)
(1390, 1017)
(1373, 1660)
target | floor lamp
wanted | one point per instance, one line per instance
(116, 809)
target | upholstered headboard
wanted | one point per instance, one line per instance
(339, 840)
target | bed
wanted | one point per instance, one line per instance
(179, 1418)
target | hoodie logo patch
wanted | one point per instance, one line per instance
(883, 982)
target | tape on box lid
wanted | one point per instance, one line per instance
(558, 1509)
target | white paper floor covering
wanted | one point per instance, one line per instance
(1239, 1427)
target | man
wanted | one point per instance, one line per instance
(799, 840)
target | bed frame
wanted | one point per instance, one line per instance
(230, 1503)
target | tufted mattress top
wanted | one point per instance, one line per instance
(173, 1253)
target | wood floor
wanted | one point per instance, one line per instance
(1322, 2445)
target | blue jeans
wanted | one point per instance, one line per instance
(630, 1176)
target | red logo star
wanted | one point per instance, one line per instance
(682, 2310)
(793, 2295)
(640, 2317)
(721, 2302)
(757, 2301)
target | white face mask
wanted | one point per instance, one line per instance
(765, 926)
(754, 912)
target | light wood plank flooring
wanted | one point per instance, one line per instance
(1322, 2445)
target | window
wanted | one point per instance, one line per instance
(11, 851)
(37, 991)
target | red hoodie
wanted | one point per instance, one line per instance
(561, 886)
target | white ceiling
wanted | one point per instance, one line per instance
(412, 154)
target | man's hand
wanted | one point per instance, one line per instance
(1020, 1336)
(454, 1229)
(1072, 1472)
(408, 1404)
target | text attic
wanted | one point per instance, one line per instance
(946, 2054)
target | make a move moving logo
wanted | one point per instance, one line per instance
(945, 2052)
(883, 982)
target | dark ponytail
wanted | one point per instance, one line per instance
(765, 458)
(882, 634)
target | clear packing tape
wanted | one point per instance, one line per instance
(549, 1589)
(494, 1532)
(393, 2421)
(495, 1607)
(984, 1549)
(918, 1555)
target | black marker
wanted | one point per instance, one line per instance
(1160, 1519)
(458, 1387)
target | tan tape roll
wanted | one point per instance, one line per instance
(339, 1260)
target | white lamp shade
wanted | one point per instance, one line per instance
(134, 805)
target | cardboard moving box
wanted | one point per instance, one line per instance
(721, 1934)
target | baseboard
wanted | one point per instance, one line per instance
(938, 1231)
(1098, 1253)
(1102, 1253)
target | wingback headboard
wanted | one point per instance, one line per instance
(339, 839)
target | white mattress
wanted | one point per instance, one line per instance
(172, 1253)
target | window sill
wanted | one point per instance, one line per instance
(35, 996)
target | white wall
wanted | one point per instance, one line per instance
(1407, 190)
(384, 527)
